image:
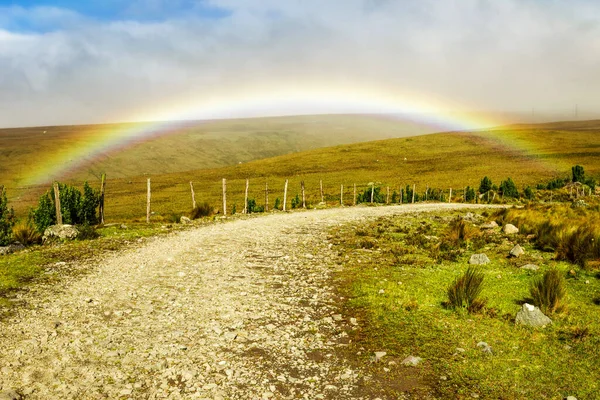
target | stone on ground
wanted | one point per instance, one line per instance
(479, 259)
(510, 229)
(530, 267)
(489, 225)
(532, 316)
(11, 248)
(411, 361)
(516, 251)
(61, 232)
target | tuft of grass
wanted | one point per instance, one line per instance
(465, 290)
(549, 291)
(460, 232)
(87, 232)
(26, 234)
(202, 210)
(582, 244)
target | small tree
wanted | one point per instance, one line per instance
(485, 185)
(528, 192)
(578, 174)
(508, 188)
(277, 204)
(296, 202)
(7, 219)
(470, 194)
(394, 197)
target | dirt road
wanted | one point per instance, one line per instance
(236, 310)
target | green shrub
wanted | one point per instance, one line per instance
(296, 202)
(7, 219)
(470, 194)
(76, 208)
(549, 291)
(365, 196)
(277, 205)
(485, 185)
(528, 193)
(578, 174)
(87, 232)
(465, 290)
(508, 188)
(254, 208)
(394, 197)
(26, 234)
(202, 210)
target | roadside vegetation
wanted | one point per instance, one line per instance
(409, 280)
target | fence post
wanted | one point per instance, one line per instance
(224, 197)
(413, 194)
(148, 196)
(450, 196)
(101, 205)
(341, 195)
(387, 198)
(59, 219)
(322, 197)
(354, 202)
(372, 192)
(285, 194)
(401, 195)
(246, 197)
(427, 193)
(193, 195)
(266, 196)
(465, 195)
(303, 196)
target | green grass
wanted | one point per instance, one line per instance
(408, 317)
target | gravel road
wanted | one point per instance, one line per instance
(235, 310)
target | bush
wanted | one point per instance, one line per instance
(578, 174)
(76, 208)
(7, 219)
(202, 210)
(485, 185)
(87, 232)
(26, 234)
(548, 292)
(365, 196)
(470, 194)
(580, 245)
(296, 202)
(459, 232)
(277, 205)
(253, 208)
(509, 189)
(528, 193)
(465, 290)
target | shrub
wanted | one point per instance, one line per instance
(578, 174)
(459, 232)
(470, 194)
(548, 292)
(253, 207)
(528, 193)
(365, 196)
(394, 197)
(7, 219)
(202, 210)
(485, 185)
(581, 245)
(87, 232)
(296, 202)
(76, 208)
(508, 188)
(26, 234)
(465, 290)
(277, 205)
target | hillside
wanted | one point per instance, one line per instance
(33, 155)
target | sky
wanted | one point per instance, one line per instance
(70, 62)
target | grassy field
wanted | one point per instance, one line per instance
(527, 154)
(396, 279)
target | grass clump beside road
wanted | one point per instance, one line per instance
(397, 283)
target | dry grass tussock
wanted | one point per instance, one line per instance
(26, 234)
(465, 290)
(549, 292)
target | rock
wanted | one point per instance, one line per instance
(185, 220)
(123, 226)
(10, 395)
(11, 248)
(510, 229)
(530, 267)
(479, 259)
(489, 225)
(411, 361)
(471, 217)
(378, 355)
(531, 316)
(579, 204)
(61, 232)
(571, 398)
(486, 348)
(516, 252)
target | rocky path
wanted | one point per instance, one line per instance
(239, 310)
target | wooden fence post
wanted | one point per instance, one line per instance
(450, 196)
(387, 198)
(465, 195)
(372, 192)
(354, 202)
(427, 193)
(413, 194)
(303, 196)
(148, 196)
(341, 195)
(285, 195)
(401, 195)
(322, 196)
(224, 197)
(246, 197)
(101, 205)
(193, 195)
(59, 219)
(266, 196)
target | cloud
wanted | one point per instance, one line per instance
(474, 54)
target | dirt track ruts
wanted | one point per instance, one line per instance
(236, 310)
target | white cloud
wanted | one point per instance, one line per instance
(504, 55)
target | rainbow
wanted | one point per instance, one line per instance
(103, 139)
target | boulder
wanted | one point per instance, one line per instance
(411, 361)
(516, 252)
(530, 267)
(510, 229)
(185, 220)
(485, 348)
(61, 232)
(471, 217)
(479, 259)
(378, 355)
(532, 316)
(11, 248)
(489, 225)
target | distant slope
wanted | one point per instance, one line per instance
(184, 145)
